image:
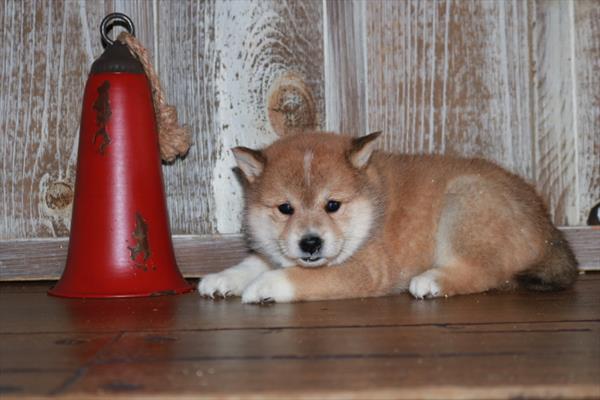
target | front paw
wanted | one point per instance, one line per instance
(223, 284)
(425, 285)
(270, 286)
(234, 280)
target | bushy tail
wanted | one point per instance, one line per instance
(556, 270)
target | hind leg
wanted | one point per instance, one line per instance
(455, 279)
(482, 240)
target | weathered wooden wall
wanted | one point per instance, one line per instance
(220, 62)
(514, 81)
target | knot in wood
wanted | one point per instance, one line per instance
(291, 107)
(59, 196)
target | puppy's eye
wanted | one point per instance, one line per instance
(332, 206)
(286, 208)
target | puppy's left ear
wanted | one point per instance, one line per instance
(251, 162)
(362, 148)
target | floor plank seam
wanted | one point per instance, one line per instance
(572, 330)
(334, 357)
(33, 370)
(311, 327)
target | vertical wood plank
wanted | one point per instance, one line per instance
(554, 109)
(451, 77)
(188, 67)
(46, 50)
(142, 14)
(345, 74)
(221, 62)
(586, 19)
(262, 46)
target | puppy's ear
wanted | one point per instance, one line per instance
(251, 162)
(362, 148)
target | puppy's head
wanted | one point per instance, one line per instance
(308, 198)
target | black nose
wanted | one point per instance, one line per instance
(311, 244)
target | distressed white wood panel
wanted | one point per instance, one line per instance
(586, 18)
(451, 77)
(260, 43)
(345, 66)
(143, 13)
(554, 86)
(188, 66)
(45, 54)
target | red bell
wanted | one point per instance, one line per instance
(120, 241)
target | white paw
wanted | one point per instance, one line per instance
(425, 285)
(234, 280)
(222, 284)
(271, 286)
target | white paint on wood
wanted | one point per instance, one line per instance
(451, 77)
(445, 77)
(345, 66)
(554, 112)
(586, 69)
(238, 106)
(85, 34)
(514, 81)
(188, 66)
(44, 64)
(575, 131)
(270, 40)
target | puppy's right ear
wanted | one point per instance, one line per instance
(362, 148)
(251, 162)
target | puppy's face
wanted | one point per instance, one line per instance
(308, 202)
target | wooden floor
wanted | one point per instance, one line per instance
(494, 345)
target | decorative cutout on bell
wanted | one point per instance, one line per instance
(120, 241)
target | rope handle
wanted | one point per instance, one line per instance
(174, 139)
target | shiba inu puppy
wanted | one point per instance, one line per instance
(329, 217)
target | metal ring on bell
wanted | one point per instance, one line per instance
(110, 21)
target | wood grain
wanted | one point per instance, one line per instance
(20, 353)
(586, 22)
(189, 66)
(451, 77)
(586, 245)
(494, 345)
(260, 42)
(32, 312)
(143, 15)
(47, 51)
(444, 378)
(45, 258)
(516, 82)
(19, 384)
(341, 343)
(554, 109)
(219, 62)
(42, 77)
(345, 66)
(199, 255)
(394, 358)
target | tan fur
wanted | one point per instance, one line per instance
(473, 224)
